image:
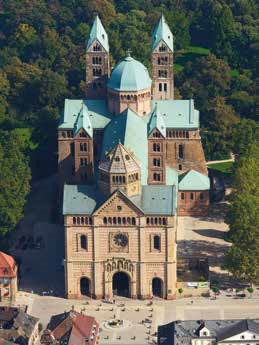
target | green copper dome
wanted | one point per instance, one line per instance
(129, 75)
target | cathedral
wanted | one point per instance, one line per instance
(130, 163)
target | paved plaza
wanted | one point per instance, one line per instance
(141, 320)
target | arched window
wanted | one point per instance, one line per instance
(182, 196)
(83, 242)
(160, 87)
(157, 242)
(180, 167)
(156, 162)
(156, 177)
(104, 220)
(165, 87)
(119, 220)
(164, 221)
(191, 196)
(114, 220)
(133, 220)
(82, 220)
(74, 220)
(109, 220)
(147, 220)
(180, 151)
(201, 196)
(78, 220)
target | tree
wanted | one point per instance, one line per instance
(221, 118)
(242, 258)
(180, 290)
(14, 181)
(215, 289)
(250, 290)
(245, 133)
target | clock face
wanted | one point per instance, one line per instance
(120, 240)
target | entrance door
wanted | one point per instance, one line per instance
(157, 287)
(121, 284)
(85, 286)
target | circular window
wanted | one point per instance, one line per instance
(117, 159)
(127, 157)
(119, 208)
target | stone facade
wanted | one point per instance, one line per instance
(105, 253)
(162, 72)
(97, 71)
(193, 203)
(138, 101)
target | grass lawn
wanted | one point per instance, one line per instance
(224, 167)
(189, 54)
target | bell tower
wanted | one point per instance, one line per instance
(97, 61)
(162, 61)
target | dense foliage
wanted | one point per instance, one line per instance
(42, 61)
(14, 181)
(242, 258)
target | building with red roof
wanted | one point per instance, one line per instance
(8, 277)
(71, 328)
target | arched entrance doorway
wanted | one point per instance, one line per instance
(121, 284)
(157, 287)
(85, 286)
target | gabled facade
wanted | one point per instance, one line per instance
(125, 159)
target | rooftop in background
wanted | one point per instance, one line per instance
(162, 32)
(98, 33)
(129, 75)
(8, 267)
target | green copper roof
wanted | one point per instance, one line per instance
(177, 113)
(83, 121)
(131, 130)
(156, 121)
(98, 33)
(97, 110)
(81, 199)
(85, 199)
(157, 200)
(193, 180)
(162, 32)
(129, 75)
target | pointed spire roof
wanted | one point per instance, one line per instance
(98, 33)
(83, 121)
(120, 160)
(162, 32)
(156, 121)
